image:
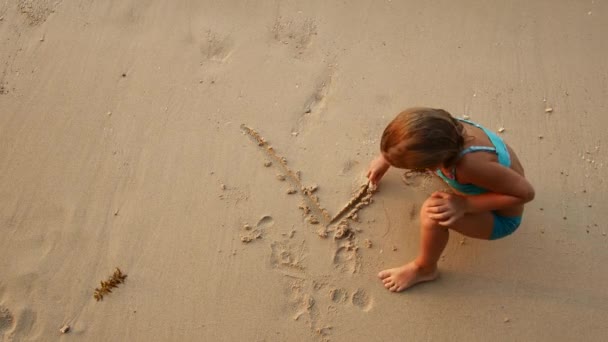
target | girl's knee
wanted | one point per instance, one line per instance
(430, 223)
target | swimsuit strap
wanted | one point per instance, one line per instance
(477, 148)
(472, 149)
(500, 148)
(504, 158)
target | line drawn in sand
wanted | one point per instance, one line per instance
(312, 207)
(293, 176)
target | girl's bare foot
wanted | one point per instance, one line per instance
(400, 278)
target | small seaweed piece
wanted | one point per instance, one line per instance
(106, 286)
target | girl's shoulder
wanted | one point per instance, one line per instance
(472, 161)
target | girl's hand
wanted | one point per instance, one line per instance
(377, 169)
(446, 208)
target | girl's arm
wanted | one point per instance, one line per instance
(377, 169)
(507, 187)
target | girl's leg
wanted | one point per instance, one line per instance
(433, 239)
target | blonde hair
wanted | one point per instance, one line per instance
(423, 138)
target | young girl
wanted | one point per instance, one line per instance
(483, 171)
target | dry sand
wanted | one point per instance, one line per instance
(121, 146)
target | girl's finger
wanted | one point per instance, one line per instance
(443, 223)
(440, 194)
(434, 202)
(448, 222)
(442, 217)
(437, 209)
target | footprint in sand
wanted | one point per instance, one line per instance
(37, 11)
(3, 88)
(315, 103)
(7, 321)
(305, 307)
(250, 234)
(362, 300)
(303, 303)
(288, 258)
(346, 258)
(317, 100)
(296, 35)
(338, 295)
(216, 48)
(265, 221)
(24, 325)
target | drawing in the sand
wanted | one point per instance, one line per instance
(287, 257)
(312, 206)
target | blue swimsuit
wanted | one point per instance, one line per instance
(503, 225)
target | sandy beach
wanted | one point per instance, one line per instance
(216, 151)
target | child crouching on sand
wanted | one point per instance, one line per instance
(484, 172)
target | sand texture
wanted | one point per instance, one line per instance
(215, 151)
